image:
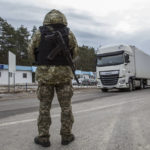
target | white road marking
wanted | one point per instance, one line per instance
(77, 112)
(103, 107)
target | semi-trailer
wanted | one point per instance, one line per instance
(122, 67)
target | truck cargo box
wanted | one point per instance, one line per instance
(142, 64)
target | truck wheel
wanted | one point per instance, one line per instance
(130, 86)
(133, 85)
(144, 86)
(141, 85)
(104, 90)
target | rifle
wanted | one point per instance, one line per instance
(61, 46)
(35, 56)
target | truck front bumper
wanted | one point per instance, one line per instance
(120, 84)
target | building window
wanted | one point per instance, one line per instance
(24, 75)
(0, 74)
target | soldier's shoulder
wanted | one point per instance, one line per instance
(36, 36)
(71, 33)
(37, 33)
(72, 36)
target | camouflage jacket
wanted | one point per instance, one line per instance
(52, 74)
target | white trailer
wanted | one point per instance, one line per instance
(122, 67)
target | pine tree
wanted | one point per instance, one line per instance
(15, 41)
(34, 30)
(87, 59)
(22, 39)
(7, 40)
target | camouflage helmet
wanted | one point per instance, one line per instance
(55, 17)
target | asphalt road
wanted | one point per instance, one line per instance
(23, 105)
(103, 121)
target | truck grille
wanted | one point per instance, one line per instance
(109, 79)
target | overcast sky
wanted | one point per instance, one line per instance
(94, 22)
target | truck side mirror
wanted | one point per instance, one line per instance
(127, 58)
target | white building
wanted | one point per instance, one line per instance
(22, 75)
(26, 74)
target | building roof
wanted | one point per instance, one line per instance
(79, 72)
(21, 68)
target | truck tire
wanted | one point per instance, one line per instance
(130, 89)
(104, 90)
(133, 85)
(144, 84)
(141, 84)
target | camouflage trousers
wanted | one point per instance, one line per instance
(45, 94)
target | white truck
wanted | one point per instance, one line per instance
(122, 67)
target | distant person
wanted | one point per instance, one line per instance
(53, 74)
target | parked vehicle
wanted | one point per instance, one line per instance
(86, 82)
(93, 81)
(74, 82)
(122, 67)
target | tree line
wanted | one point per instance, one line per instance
(17, 40)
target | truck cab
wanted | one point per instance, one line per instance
(115, 67)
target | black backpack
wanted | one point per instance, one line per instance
(49, 42)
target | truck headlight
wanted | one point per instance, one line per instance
(122, 81)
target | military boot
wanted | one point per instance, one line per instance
(43, 141)
(66, 139)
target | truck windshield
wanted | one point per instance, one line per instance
(110, 60)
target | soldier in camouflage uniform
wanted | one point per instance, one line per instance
(50, 78)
